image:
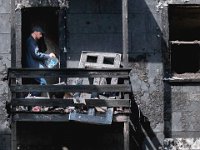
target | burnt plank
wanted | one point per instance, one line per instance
(70, 72)
(28, 117)
(40, 117)
(42, 102)
(71, 88)
(109, 102)
(37, 117)
(69, 102)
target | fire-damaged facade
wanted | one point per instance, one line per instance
(152, 91)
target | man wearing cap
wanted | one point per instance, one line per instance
(34, 56)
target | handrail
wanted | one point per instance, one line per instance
(17, 88)
(68, 72)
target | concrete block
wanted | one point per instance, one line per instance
(3, 90)
(5, 43)
(5, 63)
(5, 60)
(177, 122)
(195, 89)
(94, 23)
(192, 105)
(189, 121)
(18, 18)
(5, 25)
(179, 101)
(194, 96)
(5, 6)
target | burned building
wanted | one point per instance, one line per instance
(158, 41)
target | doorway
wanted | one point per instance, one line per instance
(47, 19)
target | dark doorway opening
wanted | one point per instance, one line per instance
(47, 18)
(184, 31)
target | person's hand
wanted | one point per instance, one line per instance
(52, 55)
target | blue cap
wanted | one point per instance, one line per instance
(37, 29)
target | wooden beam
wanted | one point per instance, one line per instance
(38, 117)
(13, 38)
(71, 88)
(69, 102)
(41, 117)
(63, 37)
(13, 135)
(18, 35)
(72, 72)
(126, 135)
(125, 31)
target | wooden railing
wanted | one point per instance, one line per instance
(121, 102)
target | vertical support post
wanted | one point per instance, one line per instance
(13, 123)
(166, 47)
(13, 44)
(63, 37)
(18, 34)
(125, 31)
(14, 135)
(126, 135)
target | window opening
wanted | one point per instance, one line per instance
(184, 39)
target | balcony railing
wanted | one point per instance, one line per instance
(111, 102)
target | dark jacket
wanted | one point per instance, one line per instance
(34, 58)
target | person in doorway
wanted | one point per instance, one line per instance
(35, 57)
